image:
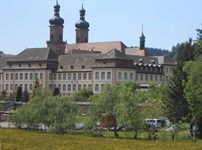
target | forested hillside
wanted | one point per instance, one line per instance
(160, 52)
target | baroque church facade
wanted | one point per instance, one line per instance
(71, 67)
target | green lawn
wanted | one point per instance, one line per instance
(15, 139)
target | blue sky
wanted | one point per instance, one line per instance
(25, 23)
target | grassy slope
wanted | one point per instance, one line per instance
(19, 139)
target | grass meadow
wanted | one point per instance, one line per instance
(15, 139)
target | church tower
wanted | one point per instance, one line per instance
(82, 28)
(56, 42)
(142, 41)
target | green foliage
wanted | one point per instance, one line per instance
(193, 89)
(175, 102)
(19, 94)
(25, 96)
(199, 34)
(120, 101)
(36, 90)
(58, 114)
(153, 101)
(56, 91)
(3, 93)
(82, 95)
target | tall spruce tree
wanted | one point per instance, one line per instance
(19, 94)
(177, 106)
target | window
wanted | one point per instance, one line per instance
(74, 87)
(16, 86)
(97, 75)
(151, 77)
(7, 76)
(31, 87)
(160, 78)
(50, 87)
(90, 76)
(11, 77)
(131, 76)
(79, 86)
(69, 76)
(54, 76)
(59, 87)
(11, 87)
(26, 76)
(79, 76)
(21, 76)
(64, 76)
(6, 86)
(21, 86)
(156, 78)
(108, 75)
(64, 87)
(59, 76)
(141, 77)
(69, 87)
(146, 77)
(89, 86)
(36, 75)
(74, 76)
(103, 75)
(16, 76)
(54, 86)
(96, 87)
(31, 76)
(51, 36)
(125, 76)
(136, 76)
(119, 75)
(26, 86)
(84, 76)
(41, 75)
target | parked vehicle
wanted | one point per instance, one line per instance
(156, 123)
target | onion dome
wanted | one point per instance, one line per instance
(82, 24)
(56, 20)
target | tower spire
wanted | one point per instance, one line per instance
(56, 42)
(142, 40)
(82, 27)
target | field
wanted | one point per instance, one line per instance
(13, 139)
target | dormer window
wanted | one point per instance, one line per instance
(40, 64)
(72, 67)
(29, 65)
(83, 66)
(152, 61)
(10, 65)
(20, 65)
(61, 67)
(140, 60)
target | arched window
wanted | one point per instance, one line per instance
(103, 75)
(108, 75)
(97, 75)
(96, 87)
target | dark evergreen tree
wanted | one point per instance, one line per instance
(36, 89)
(56, 91)
(25, 96)
(199, 34)
(177, 106)
(19, 94)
